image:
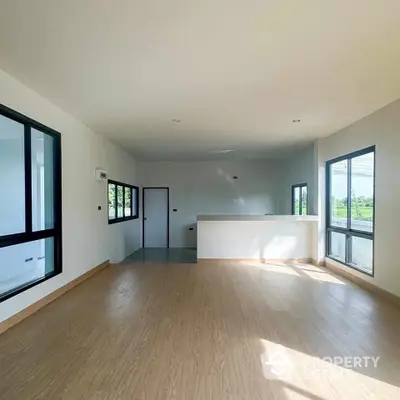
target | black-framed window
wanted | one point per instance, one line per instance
(123, 202)
(300, 199)
(30, 203)
(350, 205)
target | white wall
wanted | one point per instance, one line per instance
(299, 168)
(209, 188)
(274, 239)
(382, 129)
(88, 240)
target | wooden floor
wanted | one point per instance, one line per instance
(206, 331)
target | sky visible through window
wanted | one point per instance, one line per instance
(362, 172)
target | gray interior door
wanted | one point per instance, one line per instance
(155, 223)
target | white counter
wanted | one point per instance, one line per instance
(267, 237)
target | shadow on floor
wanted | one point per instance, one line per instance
(162, 255)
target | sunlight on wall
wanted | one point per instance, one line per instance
(239, 200)
(280, 247)
(223, 174)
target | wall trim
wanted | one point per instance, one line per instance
(262, 260)
(26, 312)
(363, 283)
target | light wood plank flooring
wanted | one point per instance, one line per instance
(205, 331)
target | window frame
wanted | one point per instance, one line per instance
(134, 194)
(300, 186)
(29, 235)
(348, 231)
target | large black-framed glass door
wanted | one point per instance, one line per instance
(30, 203)
(350, 205)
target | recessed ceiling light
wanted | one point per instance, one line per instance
(296, 120)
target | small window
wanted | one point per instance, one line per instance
(123, 202)
(300, 199)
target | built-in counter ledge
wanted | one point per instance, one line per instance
(249, 218)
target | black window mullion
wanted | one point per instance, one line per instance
(57, 204)
(136, 190)
(116, 201)
(28, 178)
(348, 193)
(301, 200)
(123, 201)
(133, 215)
(352, 232)
(328, 198)
(20, 238)
(348, 238)
(293, 202)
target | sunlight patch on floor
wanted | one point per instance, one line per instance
(297, 372)
(282, 269)
(323, 277)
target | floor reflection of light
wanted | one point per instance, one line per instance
(304, 376)
(309, 267)
(278, 268)
(323, 277)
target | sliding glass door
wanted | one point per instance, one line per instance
(350, 209)
(30, 203)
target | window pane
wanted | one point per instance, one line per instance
(120, 201)
(134, 205)
(111, 201)
(362, 192)
(42, 181)
(361, 253)
(128, 195)
(296, 199)
(304, 200)
(337, 244)
(12, 177)
(338, 192)
(24, 263)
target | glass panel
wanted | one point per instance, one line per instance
(296, 199)
(42, 181)
(338, 191)
(337, 244)
(362, 192)
(304, 204)
(111, 201)
(128, 195)
(24, 263)
(361, 253)
(134, 205)
(120, 201)
(12, 177)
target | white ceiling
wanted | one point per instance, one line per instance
(234, 72)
